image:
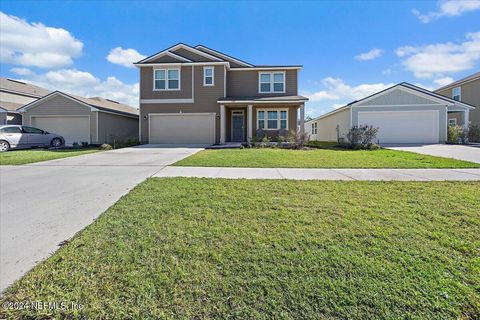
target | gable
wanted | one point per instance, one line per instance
(59, 104)
(166, 59)
(192, 56)
(398, 96)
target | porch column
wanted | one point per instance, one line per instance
(302, 118)
(249, 123)
(223, 124)
(466, 118)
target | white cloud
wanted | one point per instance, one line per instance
(21, 71)
(448, 8)
(34, 44)
(438, 60)
(85, 84)
(443, 81)
(370, 55)
(337, 89)
(387, 72)
(124, 57)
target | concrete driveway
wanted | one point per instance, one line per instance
(45, 203)
(460, 152)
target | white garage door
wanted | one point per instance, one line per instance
(403, 126)
(72, 128)
(185, 128)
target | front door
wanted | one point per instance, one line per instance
(238, 126)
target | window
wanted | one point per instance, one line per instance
(166, 79)
(271, 82)
(32, 130)
(272, 122)
(11, 130)
(275, 119)
(452, 122)
(283, 119)
(208, 74)
(314, 128)
(261, 119)
(457, 93)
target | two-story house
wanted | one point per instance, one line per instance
(466, 90)
(197, 95)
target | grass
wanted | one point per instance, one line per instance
(324, 157)
(17, 157)
(263, 249)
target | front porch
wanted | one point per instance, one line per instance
(457, 116)
(241, 121)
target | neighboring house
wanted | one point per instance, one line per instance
(198, 95)
(466, 90)
(404, 113)
(78, 119)
(14, 95)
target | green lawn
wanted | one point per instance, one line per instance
(329, 157)
(264, 249)
(35, 155)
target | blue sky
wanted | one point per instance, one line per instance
(349, 49)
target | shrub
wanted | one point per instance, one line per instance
(361, 137)
(456, 134)
(85, 144)
(75, 145)
(105, 146)
(265, 142)
(474, 133)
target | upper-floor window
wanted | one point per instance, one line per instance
(208, 74)
(271, 82)
(457, 93)
(166, 79)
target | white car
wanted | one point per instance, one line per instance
(16, 136)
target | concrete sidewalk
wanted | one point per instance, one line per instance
(323, 174)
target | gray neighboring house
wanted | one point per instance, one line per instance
(197, 95)
(78, 119)
(466, 90)
(15, 94)
(404, 113)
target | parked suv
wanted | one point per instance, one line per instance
(15, 136)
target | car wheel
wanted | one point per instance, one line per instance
(56, 143)
(4, 146)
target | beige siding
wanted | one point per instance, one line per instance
(456, 115)
(470, 95)
(245, 83)
(327, 126)
(113, 126)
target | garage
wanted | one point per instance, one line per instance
(416, 126)
(182, 128)
(72, 128)
(403, 114)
